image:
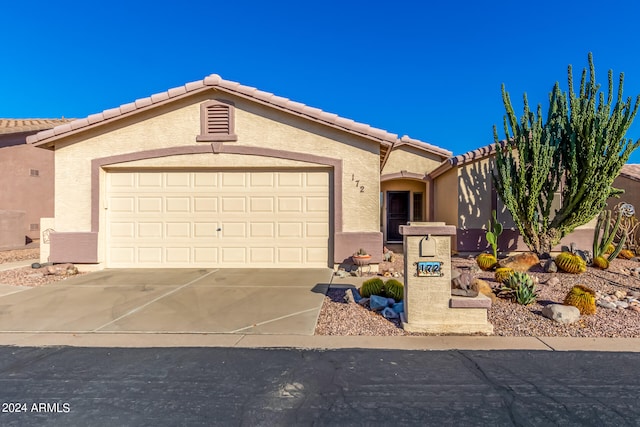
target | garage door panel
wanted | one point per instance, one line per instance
(218, 219)
(178, 204)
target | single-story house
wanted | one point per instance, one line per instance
(26, 179)
(218, 174)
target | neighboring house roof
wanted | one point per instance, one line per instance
(28, 125)
(47, 138)
(463, 159)
(631, 171)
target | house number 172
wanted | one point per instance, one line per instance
(357, 181)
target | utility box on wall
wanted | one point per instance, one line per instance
(429, 304)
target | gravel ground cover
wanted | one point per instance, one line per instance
(508, 318)
(25, 276)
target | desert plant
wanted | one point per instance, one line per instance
(601, 262)
(519, 288)
(626, 254)
(502, 274)
(583, 298)
(602, 241)
(394, 289)
(581, 144)
(486, 261)
(493, 233)
(628, 225)
(571, 262)
(373, 286)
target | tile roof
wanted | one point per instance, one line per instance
(631, 171)
(48, 137)
(26, 125)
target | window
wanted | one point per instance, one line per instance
(34, 227)
(34, 172)
(217, 122)
(417, 207)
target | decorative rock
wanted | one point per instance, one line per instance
(635, 308)
(377, 303)
(620, 294)
(550, 266)
(352, 296)
(634, 294)
(461, 284)
(398, 307)
(565, 314)
(388, 313)
(622, 305)
(520, 262)
(36, 265)
(390, 302)
(483, 287)
(635, 258)
(554, 281)
(363, 301)
(67, 269)
(606, 304)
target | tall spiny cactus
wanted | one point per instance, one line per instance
(582, 143)
(602, 242)
(493, 233)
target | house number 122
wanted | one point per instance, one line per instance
(357, 181)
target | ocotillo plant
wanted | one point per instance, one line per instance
(493, 233)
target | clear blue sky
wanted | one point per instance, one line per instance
(431, 70)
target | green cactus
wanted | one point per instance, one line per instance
(602, 242)
(394, 289)
(373, 286)
(583, 298)
(519, 288)
(493, 233)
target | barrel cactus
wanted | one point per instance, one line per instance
(570, 262)
(394, 289)
(583, 298)
(371, 286)
(502, 274)
(626, 254)
(601, 262)
(486, 261)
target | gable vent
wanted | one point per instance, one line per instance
(216, 122)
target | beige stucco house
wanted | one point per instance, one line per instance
(26, 179)
(215, 173)
(218, 174)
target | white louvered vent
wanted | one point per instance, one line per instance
(217, 122)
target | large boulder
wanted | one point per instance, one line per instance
(561, 313)
(483, 287)
(520, 262)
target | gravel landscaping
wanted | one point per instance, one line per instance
(508, 318)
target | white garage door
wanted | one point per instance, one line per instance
(218, 219)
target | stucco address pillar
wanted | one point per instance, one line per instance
(429, 305)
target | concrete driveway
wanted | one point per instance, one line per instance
(234, 301)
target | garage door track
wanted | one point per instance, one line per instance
(234, 301)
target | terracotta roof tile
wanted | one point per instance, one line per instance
(247, 92)
(631, 171)
(26, 125)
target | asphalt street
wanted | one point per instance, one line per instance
(280, 387)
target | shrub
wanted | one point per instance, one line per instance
(519, 288)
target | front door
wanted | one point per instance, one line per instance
(397, 214)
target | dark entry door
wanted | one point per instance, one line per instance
(397, 214)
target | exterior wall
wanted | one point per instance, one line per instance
(445, 195)
(410, 159)
(631, 194)
(21, 191)
(258, 129)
